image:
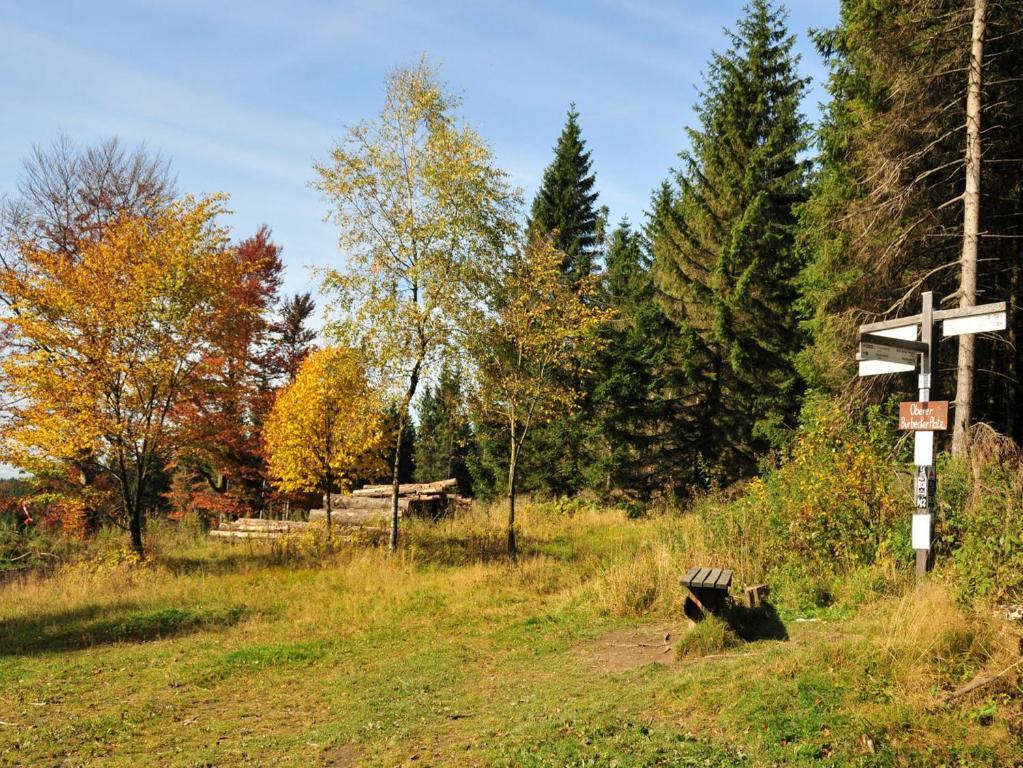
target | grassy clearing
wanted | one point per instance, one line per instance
(448, 654)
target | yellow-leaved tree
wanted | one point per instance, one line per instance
(420, 204)
(103, 344)
(524, 341)
(325, 427)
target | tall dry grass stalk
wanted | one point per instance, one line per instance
(642, 583)
(929, 643)
(737, 541)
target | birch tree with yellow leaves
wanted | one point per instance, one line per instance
(419, 204)
(325, 427)
(533, 330)
(103, 346)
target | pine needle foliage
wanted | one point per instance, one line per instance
(723, 231)
(565, 206)
(884, 221)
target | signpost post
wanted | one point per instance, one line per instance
(908, 344)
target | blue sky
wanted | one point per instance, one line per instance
(244, 96)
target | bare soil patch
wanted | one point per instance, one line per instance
(340, 756)
(632, 647)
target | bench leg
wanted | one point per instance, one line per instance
(700, 602)
(693, 610)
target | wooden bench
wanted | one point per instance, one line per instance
(708, 588)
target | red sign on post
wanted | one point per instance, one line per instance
(924, 417)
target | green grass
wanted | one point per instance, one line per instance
(449, 654)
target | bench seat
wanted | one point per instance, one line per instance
(708, 588)
(707, 578)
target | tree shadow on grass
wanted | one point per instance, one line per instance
(424, 542)
(460, 548)
(760, 623)
(222, 563)
(94, 625)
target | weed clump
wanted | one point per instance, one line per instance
(712, 635)
(927, 642)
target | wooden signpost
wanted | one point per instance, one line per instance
(908, 344)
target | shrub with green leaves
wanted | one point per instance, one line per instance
(981, 520)
(835, 501)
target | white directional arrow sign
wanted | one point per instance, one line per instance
(993, 321)
(877, 357)
(904, 359)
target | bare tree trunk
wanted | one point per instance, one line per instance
(971, 231)
(329, 505)
(137, 514)
(135, 527)
(512, 468)
(396, 482)
(396, 476)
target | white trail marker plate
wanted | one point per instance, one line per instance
(870, 352)
(876, 367)
(921, 532)
(923, 449)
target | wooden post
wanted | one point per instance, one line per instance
(924, 561)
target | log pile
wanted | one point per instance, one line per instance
(257, 528)
(368, 507)
(372, 503)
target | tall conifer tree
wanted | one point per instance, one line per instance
(565, 205)
(639, 423)
(565, 210)
(723, 234)
(444, 437)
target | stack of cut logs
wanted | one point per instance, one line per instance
(257, 528)
(368, 506)
(372, 504)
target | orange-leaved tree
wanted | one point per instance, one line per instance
(531, 332)
(325, 427)
(65, 197)
(103, 345)
(222, 421)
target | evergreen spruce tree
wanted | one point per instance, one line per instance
(565, 205)
(640, 425)
(558, 460)
(444, 436)
(723, 241)
(407, 459)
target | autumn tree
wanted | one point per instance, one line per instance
(68, 194)
(104, 344)
(233, 388)
(65, 196)
(325, 427)
(533, 329)
(419, 202)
